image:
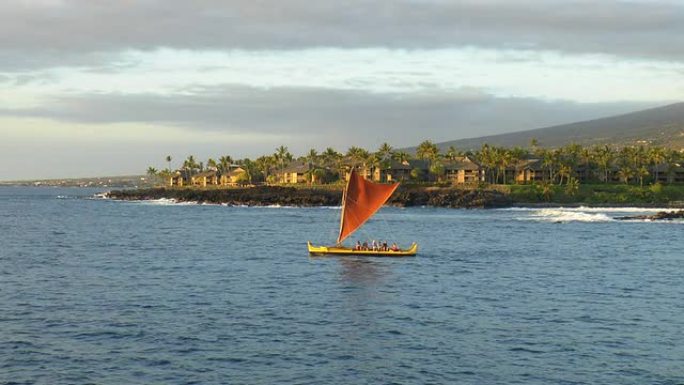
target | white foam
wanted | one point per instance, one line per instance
(594, 209)
(564, 215)
(618, 209)
(165, 202)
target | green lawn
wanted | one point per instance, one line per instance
(600, 194)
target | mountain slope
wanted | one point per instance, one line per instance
(663, 126)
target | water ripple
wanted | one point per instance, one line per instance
(95, 291)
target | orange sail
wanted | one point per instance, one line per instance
(361, 200)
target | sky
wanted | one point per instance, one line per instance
(98, 87)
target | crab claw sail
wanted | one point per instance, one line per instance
(361, 200)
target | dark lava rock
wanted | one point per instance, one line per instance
(290, 196)
(660, 216)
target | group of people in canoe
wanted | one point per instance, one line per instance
(376, 246)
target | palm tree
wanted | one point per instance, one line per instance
(357, 155)
(332, 159)
(545, 188)
(401, 156)
(604, 157)
(641, 173)
(572, 187)
(427, 150)
(164, 174)
(282, 156)
(504, 159)
(224, 163)
(671, 157)
(168, 161)
(452, 153)
(564, 171)
(486, 157)
(656, 157)
(330, 156)
(534, 147)
(385, 151)
(534, 143)
(551, 160)
(625, 173)
(315, 175)
(152, 172)
(312, 158)
(250, 168)
(190, 164)
(437, 169)
(211, 163)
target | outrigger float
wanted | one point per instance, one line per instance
(361, 200)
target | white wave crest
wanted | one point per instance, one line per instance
(564, 215)
(594, 209)
(165, 202)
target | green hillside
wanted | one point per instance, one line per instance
(662, 126)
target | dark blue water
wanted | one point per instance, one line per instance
(103, 292)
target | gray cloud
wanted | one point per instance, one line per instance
(48, 33)
(324, 117)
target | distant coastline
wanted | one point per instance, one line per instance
(122, 181)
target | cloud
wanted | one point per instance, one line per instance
(324, 117)
(48, 33)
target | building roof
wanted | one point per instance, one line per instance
(235, 172)
(185, 174)
(299, 168)
(532, 164)
(461, 165)
(205, 174)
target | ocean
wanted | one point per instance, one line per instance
(94, 291)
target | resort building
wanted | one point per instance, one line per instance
(464, 171)
(179, 179)
(233, 177)
(395, 171)
(206, 178)
(672, 173)
(294, 174)
(530, 171)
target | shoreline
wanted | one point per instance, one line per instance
(316, 197)
(412, 196)
(574, 205)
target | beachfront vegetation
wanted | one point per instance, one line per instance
(567, 171)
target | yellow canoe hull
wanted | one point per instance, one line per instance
(335, 250)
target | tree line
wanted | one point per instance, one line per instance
(636, 164)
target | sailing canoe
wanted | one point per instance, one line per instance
(337, 250)
(360, 201)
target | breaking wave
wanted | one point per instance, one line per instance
(564, 215)
(594, 209)
(165, 202)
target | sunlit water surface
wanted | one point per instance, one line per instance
(106, 292)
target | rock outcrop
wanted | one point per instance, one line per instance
(660, 216)
(290, 196)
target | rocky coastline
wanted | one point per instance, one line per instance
(660, 216)
(308, 197)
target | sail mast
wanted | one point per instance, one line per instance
(344, 204)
